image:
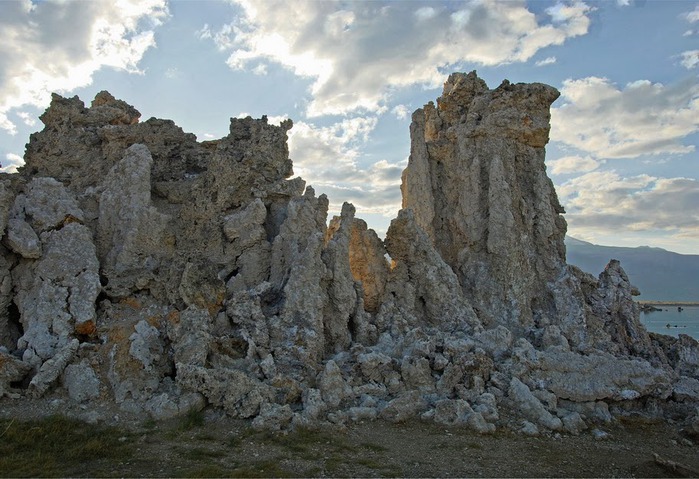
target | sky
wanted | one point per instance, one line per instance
(625, 130)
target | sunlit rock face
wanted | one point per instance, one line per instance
(147, 271)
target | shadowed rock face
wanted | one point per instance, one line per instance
(143, 268)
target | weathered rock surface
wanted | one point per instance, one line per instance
(141, 267)
(12, 370)
(477, 183)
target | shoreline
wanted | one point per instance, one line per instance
(668, 303)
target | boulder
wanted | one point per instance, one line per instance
(404, 407)
(81, 381)
(590, 378)
(11, 370)
(51, 370)
(530, 407)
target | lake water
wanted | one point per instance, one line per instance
(685, 322)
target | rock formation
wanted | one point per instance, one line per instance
(146, 270)
(477, 183)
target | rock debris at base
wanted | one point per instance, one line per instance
(142, 269)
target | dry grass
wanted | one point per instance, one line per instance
(59, 447)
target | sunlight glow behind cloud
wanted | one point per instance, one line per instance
(93, 35)
(358, 52)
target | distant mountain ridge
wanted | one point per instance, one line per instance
(659, 274)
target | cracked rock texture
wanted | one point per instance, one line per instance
(141, 268)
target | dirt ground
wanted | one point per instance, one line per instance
(414, 449)
(210, 445)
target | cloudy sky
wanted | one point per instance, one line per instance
(623, 151)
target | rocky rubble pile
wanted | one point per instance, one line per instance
(141, 268)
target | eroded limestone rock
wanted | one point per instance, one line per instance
(52, 369)
(477, 183)
(422, 289)
(368, 263)
(132, 239)
(594, 377)
(81, 381)
(11, 370)
(140, 266)
(56, 294)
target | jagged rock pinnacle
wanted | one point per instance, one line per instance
(146, 270)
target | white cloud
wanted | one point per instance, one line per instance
(643, 118)
(57, 46)
(27, 118)
(260, 69)
(573, 164)
(546, 61)
(690, 59)
(425, 13)
(355, 53)
(401, 112)
(328, 159)
(11, 164)
(693, 16)
(605, 202)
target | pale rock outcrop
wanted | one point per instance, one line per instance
(9, 332)
(574, 423)
(529, 428)
(12, 370)
(51, 370)
(233, 390)
(686, 389)
(7, 198)
(590, 411)
(273, 417)
(477, 183)
(417, 374)
(56, 294)
(422, 290)
(367, 259)
(142, 267)
(333, 388)
(406, 406)
(530, 407)
(81, 381)
(602, 376)
(136, 354)
(245, 229)
(167, 406)
(132, 238)
(477, 423)
(613, 304)
(451, 411)
(22, 239)
(46, 205)
(244, 309)
(682, 353)
(694, 425)
(342, 294)
(298, 274)
(191, 337)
